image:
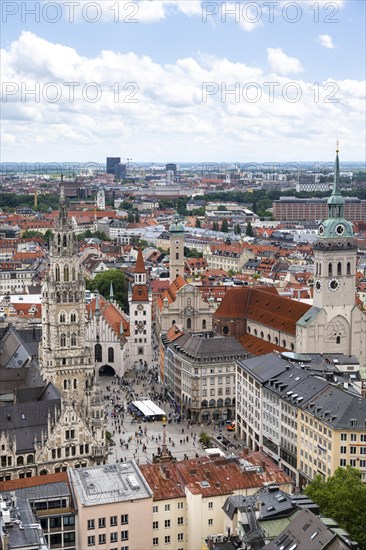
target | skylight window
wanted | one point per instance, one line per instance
(313, 535)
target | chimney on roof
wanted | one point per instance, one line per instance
(263, 464)
(245, 451)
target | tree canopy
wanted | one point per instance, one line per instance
(102, 283)
(343, 497)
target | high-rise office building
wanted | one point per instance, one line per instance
(112, 163)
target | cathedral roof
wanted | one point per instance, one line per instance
(171, 292)
(262, 305)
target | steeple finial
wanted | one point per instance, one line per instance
(111, 293)
(336, 190)
(97, 312)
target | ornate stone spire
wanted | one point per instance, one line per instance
(111, 293)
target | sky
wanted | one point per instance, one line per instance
(182, 80)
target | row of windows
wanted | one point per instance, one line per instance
(113, 520)
(102, 538)
(63, 317)
(63, 339)
(269, 338)
(167, 507)
(167, 523)
(167, 539)
(318, 269)
(98, 354)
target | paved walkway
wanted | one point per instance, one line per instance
(140, 440)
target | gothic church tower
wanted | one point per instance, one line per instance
(64, 357)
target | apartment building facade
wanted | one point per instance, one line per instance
(292, 208)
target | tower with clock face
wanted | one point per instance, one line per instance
(176, 230)
(140, 351)
(335, 255)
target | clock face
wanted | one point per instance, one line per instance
(340, 229)
(318, 285)
(140, 307)
(321, 229)
(334, 285)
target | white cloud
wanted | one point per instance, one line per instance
(326, 41)
(170, 119)
(281, 63)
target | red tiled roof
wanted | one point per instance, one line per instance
(222, 476)
(34, 481)
(171, 291)
(111, 314)
(263, 305)
(257, 346)
(140, 293)
(140, 264)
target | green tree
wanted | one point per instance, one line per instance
(102, 283)
(93, 235)
(224, 226)
(29, 234)
(137, 217)
(249, 230)
(237, 229)
(215, 226)
(204, 439)
(193, 253)
(343, 497)
(131, 217)
(198, 222)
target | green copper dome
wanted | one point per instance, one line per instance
(176, 226)
(336, 226)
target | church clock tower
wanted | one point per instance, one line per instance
(176, 254)
(335, 255)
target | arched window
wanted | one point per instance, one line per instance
(220, 402)
(73, 340)
(268, 337)
(66, 273)
(173, 322)
(261, 334)
(330, 270)
(204, 324)
(177, 256)
(57, 273)
(248, 330)
(62, 317)
(320, 268)
(20, 461)
(64, 297)
(189, 301)
(292, 347)
(225, 330)
(75, 383)
(73, 317)
(212, 403)
(43, 472)
(98, 355)
(189, 323)
(30, 459)
(110, 355)
(255, 332)
(58, 297)
(63, 340)
(64, 241)
(338, 340)
(276, 340)
(348, 268)
(339, 268)
(204, 403)
(65, 384)
(283, 343)
(71, 297)
(73, 274)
